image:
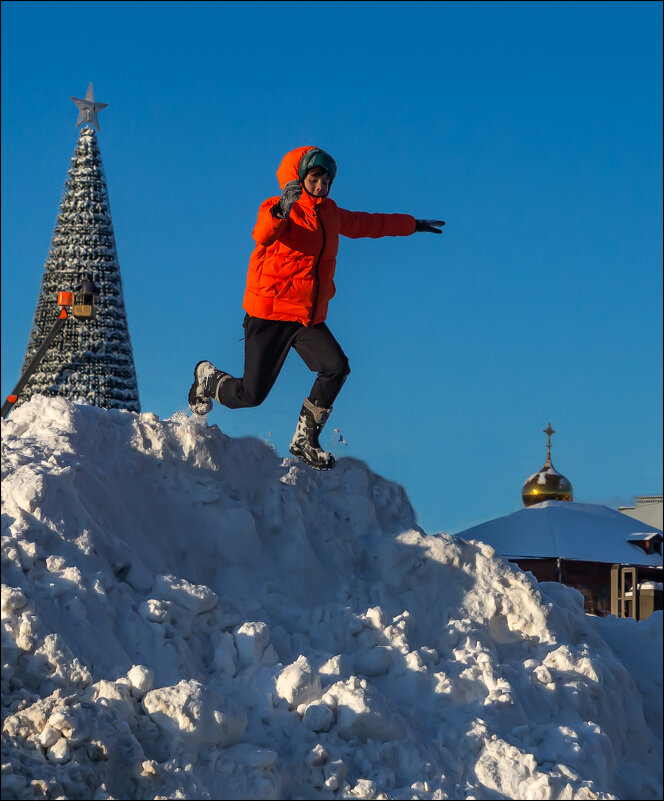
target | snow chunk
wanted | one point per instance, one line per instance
(363, 712)
(12, 599)
(142, 680)
(251, 640)
(194, 712)
(225, 653)
(58, 752)
(297, 683)
(375, 662)
(318, 717)
(195, 597)
(115, 695)
(48, 737)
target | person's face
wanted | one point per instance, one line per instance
(317, 182)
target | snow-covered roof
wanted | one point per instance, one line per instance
(646, 536)
(582, 531)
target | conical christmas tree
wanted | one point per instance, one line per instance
(91, 360)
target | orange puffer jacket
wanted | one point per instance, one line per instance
(291, 271)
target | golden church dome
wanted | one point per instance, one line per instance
(547, 484)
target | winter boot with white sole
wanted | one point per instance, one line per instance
(207, 380)
(305, 442)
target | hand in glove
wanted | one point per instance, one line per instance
(291, 193)
(434, 226)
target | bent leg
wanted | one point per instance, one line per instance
(266, 345)
(321, 352)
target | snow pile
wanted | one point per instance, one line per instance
(190, 616)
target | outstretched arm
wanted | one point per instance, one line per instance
(356, 224)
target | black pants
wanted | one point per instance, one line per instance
(266, 345)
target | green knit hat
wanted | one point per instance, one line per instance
(317, 158)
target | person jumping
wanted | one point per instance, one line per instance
(290, 283)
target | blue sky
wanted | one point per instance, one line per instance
(533, 129)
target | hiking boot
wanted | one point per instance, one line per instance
(206, 381)
(305, 444)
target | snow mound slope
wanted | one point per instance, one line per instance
(186, 615)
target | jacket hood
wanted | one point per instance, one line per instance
(290, 165)
(298, 162)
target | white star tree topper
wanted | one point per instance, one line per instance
(87, 109)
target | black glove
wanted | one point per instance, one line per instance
(291, 193)
(434, 226)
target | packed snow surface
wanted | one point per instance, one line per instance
(186, 615)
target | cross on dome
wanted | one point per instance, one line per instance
(548, 431)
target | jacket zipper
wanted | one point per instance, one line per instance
(316, 281)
